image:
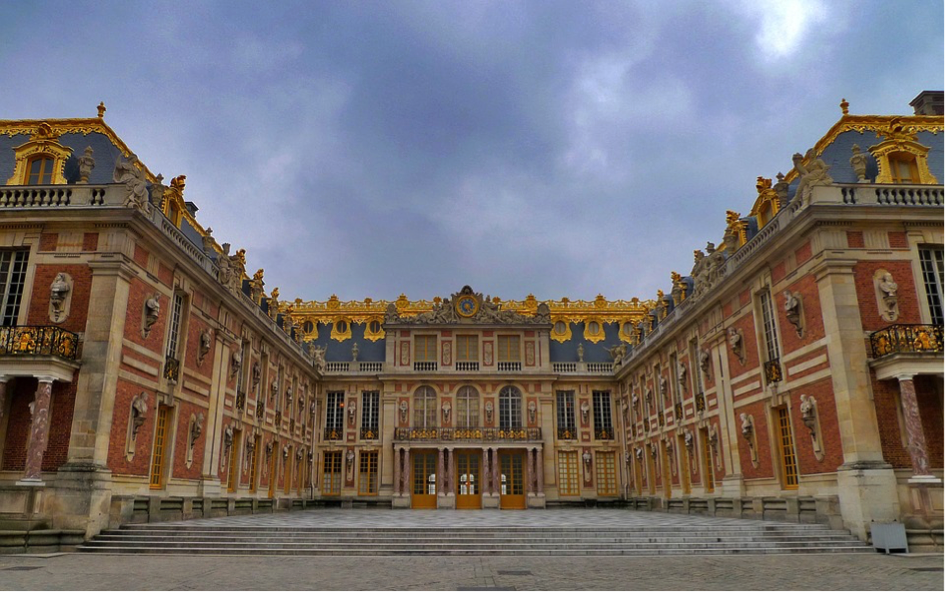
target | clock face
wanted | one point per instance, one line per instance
(467, 306)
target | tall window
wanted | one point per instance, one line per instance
(367, 473)
(40, 171)
(425, 348)
(12, 278)
(566, 429)
(177, 312)
(331, 473)
(467, 407)
(606, 473)
(159, 456)
(241, 375)
(568, 483)
(424, 408)
(770, 333)
(932, 273)
(335, 413)
(370, 407)
(786, 445)
(695, 370)
(674, 385)
(510, 408)
(509, 348)
(467, 348)
(603, 426)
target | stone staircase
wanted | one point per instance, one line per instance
(748, 538)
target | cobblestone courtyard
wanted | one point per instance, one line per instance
(800, 572)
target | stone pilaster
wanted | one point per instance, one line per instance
(539, 472)
(39, 433)
(529, 472)
(397, 461)
(486, 473)
(440, 489)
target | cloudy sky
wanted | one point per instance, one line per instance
(558, 148)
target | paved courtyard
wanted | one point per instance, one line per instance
(719, 572)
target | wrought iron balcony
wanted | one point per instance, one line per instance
(240, 401)
(700, 401)
(334, 434)
(897, 339)
(773, 371)
(172, 369)
(660, 418)
(567, 433)
(603, 434)
(678, 412)
(37, 340)
(260, 409)
(477, 434)
(371, 433)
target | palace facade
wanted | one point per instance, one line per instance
(794, 373)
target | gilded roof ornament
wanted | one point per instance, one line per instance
(844, 107)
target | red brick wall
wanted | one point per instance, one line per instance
(117, 462)
(79, 307)
(749, 345)
(195, 326)
(855, 239)
(866, 293)
(181, 436)
(832, 448)
(48, 241)
(90, 241)
(803, 253)
(897, 240)
(21, 390)
(60, 423)
(930, 411)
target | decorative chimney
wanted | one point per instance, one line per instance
(929, 102)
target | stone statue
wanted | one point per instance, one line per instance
(781, 189)
(543, 315)
(704, 361)
(792, 310)
(490, 408)
(157, 192)
(196, 428)
(748, 428)
(227, 439)
(735, 342)
(808, 413)
(532, 412)
(132, 177)
(889, 290)
(274, 303)
(207, 240)
(811, 175)
(617, 353)
(86, 164)
(580, 352)
(318, 356)
(391, 315)
(139, 411)
(256, 374)
(58, 292)
(403, 412)
(236, 362)
(354, 352)
(152, 310)
(585, 411)
(204, 346)
(689, 441)
(858, 162)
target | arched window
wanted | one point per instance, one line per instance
(424, 408)
(510, 408)
(467, 407)
(40, 170)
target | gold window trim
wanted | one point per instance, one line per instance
(341, 335)
(560, 337)
(594, 338)
(882, 151)
(43, 142)
(374, 335)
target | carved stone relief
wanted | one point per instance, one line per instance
(203, 347)
(737, 343)
(812, 174)
(193, 434)
(811, 420)
(86, 164)
(748, 432)
(138, 413)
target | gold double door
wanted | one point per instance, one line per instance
(512, 480)
(423, 482)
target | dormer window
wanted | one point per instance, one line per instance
(903, 168)
(40, 170)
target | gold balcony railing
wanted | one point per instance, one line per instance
(897, 339)
(475, 434)
(36, 340)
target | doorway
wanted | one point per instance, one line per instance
(512, 480)
(468, 480)
(423, 493)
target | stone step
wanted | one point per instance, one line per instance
(629, 537)
(176, 527)
(597, 551)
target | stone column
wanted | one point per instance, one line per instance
(486, 473)
(405, 484)
(450, 472)
(397, 483)
(496, 473)
(39, 432)
(539, 472)
(917, 448)
(440, 490)
(529, 472)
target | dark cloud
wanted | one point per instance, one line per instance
(557, 148)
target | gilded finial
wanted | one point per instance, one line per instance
(845, 106)
(101, 110)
